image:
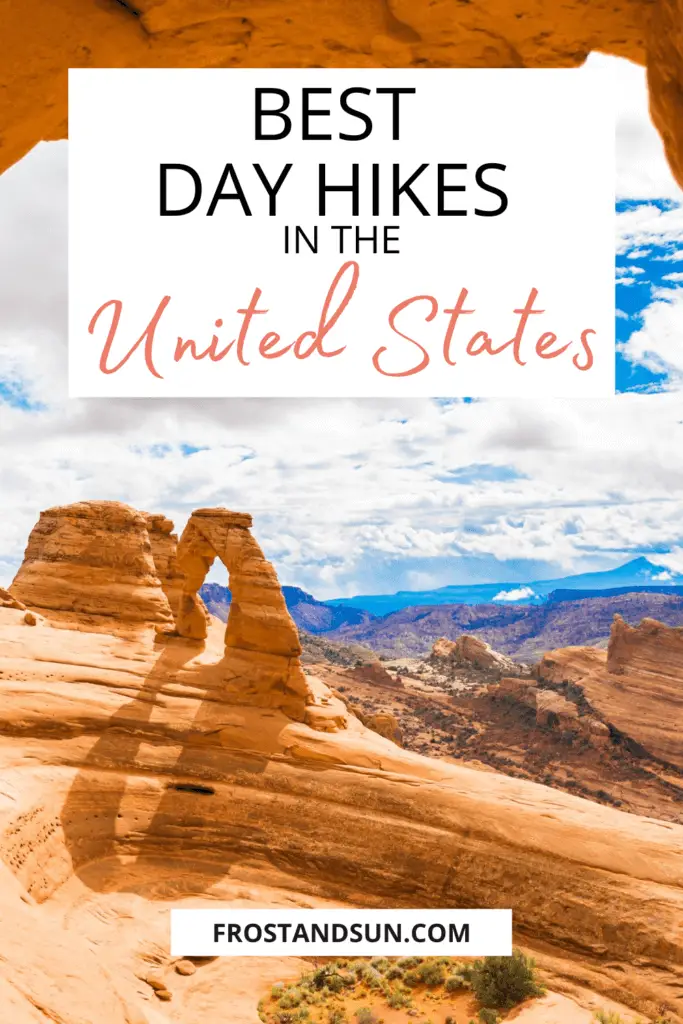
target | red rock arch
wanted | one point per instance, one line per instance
(262, 648)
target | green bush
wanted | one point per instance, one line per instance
(408, 962)
(394, 972)
(336, 1016)
(432, 973)
(290, 999)
(399, 998)
(500, 982)
(365, 1016)
(487, 1016)
(455, 983)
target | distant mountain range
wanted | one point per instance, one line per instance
(525, 632)
(578, 612)
(309, 614)
(635, 574)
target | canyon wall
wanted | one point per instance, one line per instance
(636, 686)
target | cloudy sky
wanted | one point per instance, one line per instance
(367, 496)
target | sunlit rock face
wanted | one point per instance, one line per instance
(262, 647)
(42, 38)
(92, 557)
(142, 768)
(636, 686)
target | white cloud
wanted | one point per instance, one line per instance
(677, 276)
(519, 594)
(658, 345)
(642, 168)
(349, 496)
(648, 225)
(662, 577)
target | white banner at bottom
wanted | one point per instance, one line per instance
(316, 932)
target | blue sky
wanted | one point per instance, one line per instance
(367, 496)
(643, 273)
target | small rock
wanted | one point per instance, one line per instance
(30, 619)
(185, 967)
(156, 982)
(163, 994)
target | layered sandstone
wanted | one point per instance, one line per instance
(636, 686)
(135, 786)
(552, 710)
(262, 650)
(164, 543)
(42, 38)
(94, 558)
(473, 653)
(137, 774)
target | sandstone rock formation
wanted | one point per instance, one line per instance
(7, 601)
(93, 557)
(636, 686)
(164, 543)
(261, 665)
(374, 672)
(133, 779)
(552, 710)
(42, 38)
(471, 652)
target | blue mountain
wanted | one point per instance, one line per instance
(638, 572)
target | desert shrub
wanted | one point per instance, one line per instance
(432, 972)
(335, 982)
(293, 997)
(608, 1017)
(500, 982)
(318, 979)
(336, 1016)
(394, 972)
(408, 962)
(291, 1016)
(399, 998)
(364, 1015)
(411, 978)
(381, 964)
(455, 983)
(373, 979)
(488, 1016)
(277, 989)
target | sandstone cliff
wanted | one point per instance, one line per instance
(636, 686)
(93, 557)
(42, 38)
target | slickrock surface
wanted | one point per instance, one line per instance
(636, 686)
(42, 38)
(93, 557)
(133, 777)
